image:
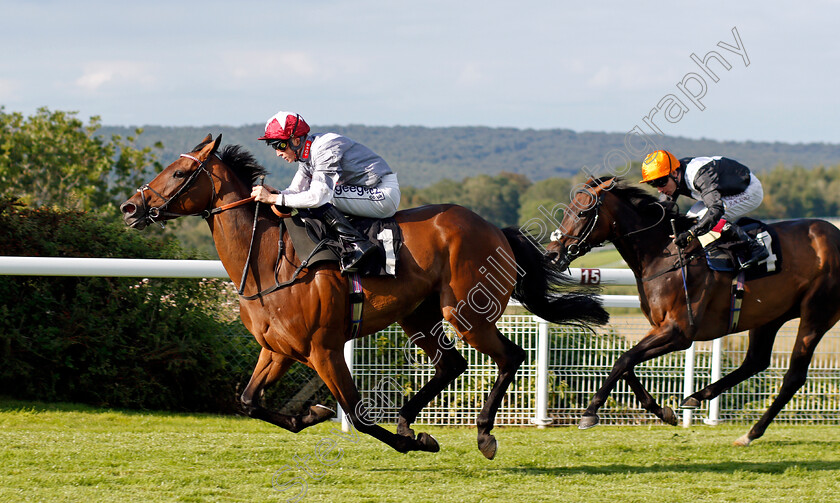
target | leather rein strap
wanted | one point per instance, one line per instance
(675, 267)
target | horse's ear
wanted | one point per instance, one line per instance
(607, 184)
(210, 148)
(207, 139)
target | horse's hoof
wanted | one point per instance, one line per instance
(669, 417)
(743, 441)
(427, 443)
(488, 446)
(587, 422)
(690, 403)
(321, 413)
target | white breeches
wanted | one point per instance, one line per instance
(376, 202)
(736, 205)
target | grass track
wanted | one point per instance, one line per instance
(73, 453)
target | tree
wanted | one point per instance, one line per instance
(546, 194)
(495, 198)
(54, 159)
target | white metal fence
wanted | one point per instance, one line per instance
(563, 368)
(386, 369)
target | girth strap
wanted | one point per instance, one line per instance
(357, 302)
(737, 299)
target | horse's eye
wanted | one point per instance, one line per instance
(178, 174)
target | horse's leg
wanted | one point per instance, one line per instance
(423, 330)
(270, 367)
(508, 362)
(666, 414)
(508, 356)
(659, 341)
(812, 326)
(330, 365)
(757, 359)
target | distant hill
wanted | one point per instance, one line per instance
(422, 156)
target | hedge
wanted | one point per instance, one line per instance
(120, 342)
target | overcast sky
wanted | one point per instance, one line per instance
(585, 66)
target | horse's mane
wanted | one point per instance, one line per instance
(242, 162)
(647, 204)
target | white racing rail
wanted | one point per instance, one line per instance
(158, 268)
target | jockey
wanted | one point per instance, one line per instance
(725, 190)
(335, 175)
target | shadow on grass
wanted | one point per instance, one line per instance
(13, 405)
(774, 467)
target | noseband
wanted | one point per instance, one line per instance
(155, 212)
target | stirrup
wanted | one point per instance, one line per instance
(757, 253)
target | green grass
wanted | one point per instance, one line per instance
(607, 258)
(74, 453)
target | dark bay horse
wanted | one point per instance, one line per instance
(807, 287)
(445, 250)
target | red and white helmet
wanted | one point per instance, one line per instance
(284, 125)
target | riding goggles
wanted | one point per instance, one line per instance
(659, 182)
(278, 144)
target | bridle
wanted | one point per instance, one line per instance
(581, 246)
(153, 213)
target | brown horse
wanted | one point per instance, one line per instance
(807, 287)
(446, 249)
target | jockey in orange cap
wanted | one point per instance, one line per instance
(725, 190)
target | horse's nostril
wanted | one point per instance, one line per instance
(128, 208)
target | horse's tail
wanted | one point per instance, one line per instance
(538, 288)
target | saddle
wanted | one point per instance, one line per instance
(721, 257)
(311, 238)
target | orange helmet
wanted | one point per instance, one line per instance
(658, 164)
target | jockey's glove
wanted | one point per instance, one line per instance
(684, 238)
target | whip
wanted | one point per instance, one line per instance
(685, 284)
(251, 244)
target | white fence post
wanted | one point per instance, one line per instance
(348, 357)
(714, 405)
(541, 418)
(688, 382)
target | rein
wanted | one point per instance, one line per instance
(277, 284)
(251, 244)
(675, 267)
(582, 247)
(661, 219)
(155, 212)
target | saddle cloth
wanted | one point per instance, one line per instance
(720, 258)
(306, 233)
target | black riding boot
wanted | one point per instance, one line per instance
(752, 252)
(356, 246)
